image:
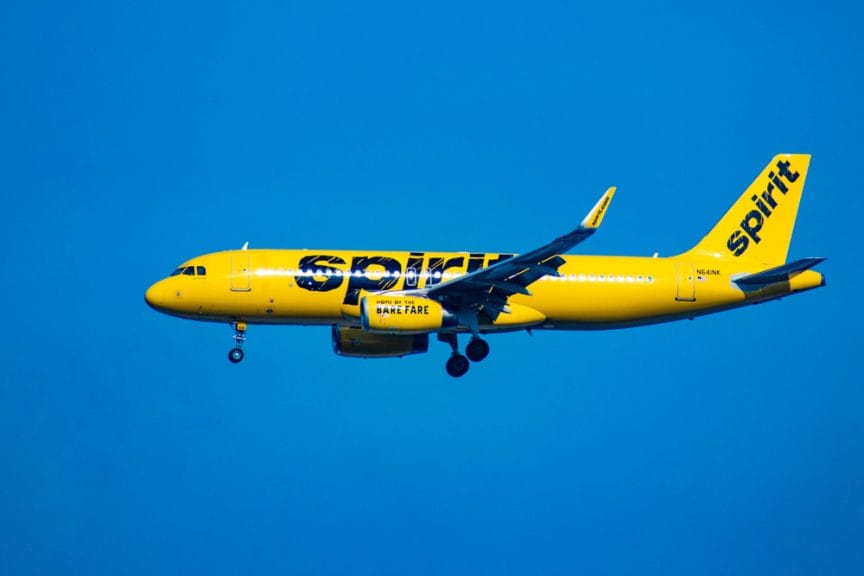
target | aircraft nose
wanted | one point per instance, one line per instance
(157, 296)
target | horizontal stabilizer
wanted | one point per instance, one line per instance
(778, 274)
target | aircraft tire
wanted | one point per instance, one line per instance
(457, 365)
(477, 349)
(235, 355)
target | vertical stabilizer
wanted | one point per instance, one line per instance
(759, 225)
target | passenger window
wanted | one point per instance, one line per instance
(201, 271)
(189, 271)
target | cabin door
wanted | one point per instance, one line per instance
(240, 274)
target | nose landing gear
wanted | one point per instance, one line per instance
(457, 365)
(235, 355)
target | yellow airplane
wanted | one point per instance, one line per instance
(386, 304)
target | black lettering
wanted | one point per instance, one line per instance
(737, 243)
(752, 230)
(761, 205)
(500, 258)
(439, 265)
(362, 281)
(776, 182)
(321, 282)
(767, 196)
(475, 262)
(785, 172)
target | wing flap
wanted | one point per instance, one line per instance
(510, 287)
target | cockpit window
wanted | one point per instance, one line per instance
(190, 271)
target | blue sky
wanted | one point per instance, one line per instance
(137, 135)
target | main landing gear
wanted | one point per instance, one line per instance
(457, 365)
(477, 349)
(235, 355)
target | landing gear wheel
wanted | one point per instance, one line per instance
(235, 355)
(457, 365)
(477, 349)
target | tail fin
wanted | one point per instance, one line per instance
(759, 225)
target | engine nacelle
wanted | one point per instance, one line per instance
(358, 343)
(402, 314)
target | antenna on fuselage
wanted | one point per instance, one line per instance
(245, 246)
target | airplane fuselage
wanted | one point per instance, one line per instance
(322, 287)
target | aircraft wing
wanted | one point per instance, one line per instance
(488, 289)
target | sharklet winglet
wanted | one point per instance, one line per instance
(595, 216)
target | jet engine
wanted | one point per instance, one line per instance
(355, 342)
(387, 314)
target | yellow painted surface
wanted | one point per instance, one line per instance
(592, 292)
(588, 292)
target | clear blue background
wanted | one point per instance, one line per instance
(136, 135)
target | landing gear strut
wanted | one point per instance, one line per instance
(235, 355)
(457, 365)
